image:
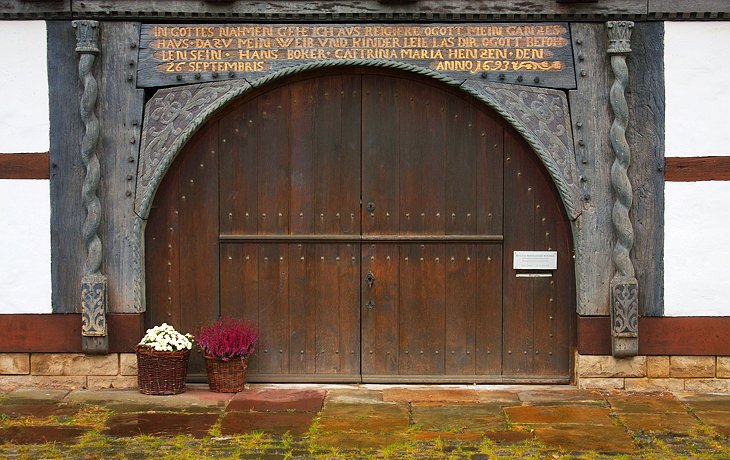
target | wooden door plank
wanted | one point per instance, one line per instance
(519, 235)
(199, 230)
(162, 253)
(413, 153)
(490, 173)
(380, 336)
(303, 107)
(488, 320)
(462, 157)
(380, 155)
(433, 128)
(273, 162)
(348, 275)
(461, 309)
(327, 295)
(273, 303)
(302, 309)
(239, 171)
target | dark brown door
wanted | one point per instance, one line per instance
(366, 223)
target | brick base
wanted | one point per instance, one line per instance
(654, 373)
(68, 370)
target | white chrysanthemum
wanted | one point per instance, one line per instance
(165, 338)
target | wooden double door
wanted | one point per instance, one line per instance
(365, 222)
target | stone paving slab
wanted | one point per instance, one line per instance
(192, 400)
(272, 399)
(40, 434)
(37, 410)
(556, 396)
(574, 414)
(498, 396)
(718, 420)
(277, 423)
(32, 395)
(358, 396)
(417, 394)
(160, 424)
(705, 402)
(580, 438)
(359, 440)
(678, 423)
(646, 403)
(478, 418)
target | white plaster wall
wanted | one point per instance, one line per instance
(25, 246)
(697, 214)
(697, 72)
(25, 236)
(24, 121)
(697, 249)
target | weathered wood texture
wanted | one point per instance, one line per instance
(67, 170)
(424, 10)
(689, 9)
(694, 336)
(693, 169)
(119, 109)
(36, 9)
(24, 166)
(591, 119)
(61, 333)
(645, 135)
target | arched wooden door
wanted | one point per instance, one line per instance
(366, 222)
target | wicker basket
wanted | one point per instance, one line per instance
(226, 376)
(161, 372)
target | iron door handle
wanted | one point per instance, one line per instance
(370, 279)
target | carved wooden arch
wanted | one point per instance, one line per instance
(173, 116)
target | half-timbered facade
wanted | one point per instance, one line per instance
(411, 192)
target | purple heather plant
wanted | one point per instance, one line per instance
(227, 338)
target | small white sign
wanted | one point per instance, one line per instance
(535, 260)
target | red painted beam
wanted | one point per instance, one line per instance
(61, 333)
(24, 166)
(696, 336)
(694, 169)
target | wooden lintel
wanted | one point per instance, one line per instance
(694, 336)
(24, 166)
(695, 169)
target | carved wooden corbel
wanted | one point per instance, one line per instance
(94, 338)
(624, 286)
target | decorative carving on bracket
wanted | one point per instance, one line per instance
(624, 286)
(542, 117)
(168, 121)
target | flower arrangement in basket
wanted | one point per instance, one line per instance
(226, 346)
(162, 360)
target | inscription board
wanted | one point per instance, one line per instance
(537, 54)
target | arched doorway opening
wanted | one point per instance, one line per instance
(366, 221)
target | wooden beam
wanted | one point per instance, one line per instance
(61, 333)
(694, 336)
(694, 169)
(354, 10)
(24, 166)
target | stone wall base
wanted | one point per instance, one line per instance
(706, 374)
(68, 370)
(119, 370)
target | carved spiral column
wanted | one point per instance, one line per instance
(93, 282)
(624, 286)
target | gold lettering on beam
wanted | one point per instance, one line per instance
(469, 48)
